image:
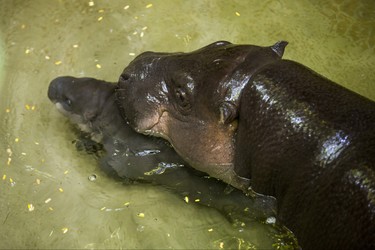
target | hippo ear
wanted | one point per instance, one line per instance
(228, 112)
(279, 48)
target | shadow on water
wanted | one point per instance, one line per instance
(46, 199)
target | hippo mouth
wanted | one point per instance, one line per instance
(158, 127)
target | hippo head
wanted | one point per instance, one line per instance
(80, 99)
(191, 99)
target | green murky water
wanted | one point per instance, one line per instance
(46, 199)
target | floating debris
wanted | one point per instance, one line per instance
(141, 215)
(66, 172)
(7, 110)
(103, 208)
(271, 220)
(47, 57)
(4, 177)
(17, 139)
(186, 199)
(145, 28)
(131, 54)
(238, 14)
(92, 177)
(100, 11)
(12, 183)
(197, 200)
(127, 203)
(221, 245)
(140, 228)
(61, 190)
(41, 173)
(210, 230)
(50, 208)
(98, 66)
(126, 7)
(37, 181)
(58, 62)
(149, 5)
(64, 230)
(91, 3)
(75, 46)
(100, 18)
(30, 207)
(48, 200)
(9, 160)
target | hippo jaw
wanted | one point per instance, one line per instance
(216, 147)
(178, 131)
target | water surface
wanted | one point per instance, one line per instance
(46, 199)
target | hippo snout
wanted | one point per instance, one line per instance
(53, 89)
(124, 77)
(56, 87)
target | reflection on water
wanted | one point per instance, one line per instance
(46, 198)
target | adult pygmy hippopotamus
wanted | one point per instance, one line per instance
(90, 104)
(243, 114)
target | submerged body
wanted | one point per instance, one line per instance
(241, 112)
(90, 104)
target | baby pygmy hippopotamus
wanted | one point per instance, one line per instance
(91, 105)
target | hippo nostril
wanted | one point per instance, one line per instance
(124, 77)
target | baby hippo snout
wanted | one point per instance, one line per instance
(57, 86)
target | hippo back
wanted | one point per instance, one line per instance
(310, 143)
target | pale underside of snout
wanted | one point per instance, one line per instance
(196, 145)
(80, 122)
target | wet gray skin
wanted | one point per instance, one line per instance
(90, 104)
(241, 113)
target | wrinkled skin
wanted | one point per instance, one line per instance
(240, 110)
(90, 104)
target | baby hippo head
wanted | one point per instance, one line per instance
(80, 99)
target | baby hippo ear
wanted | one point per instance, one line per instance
(228, 112)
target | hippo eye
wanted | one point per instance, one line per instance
(182, 98)
(68, 102)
